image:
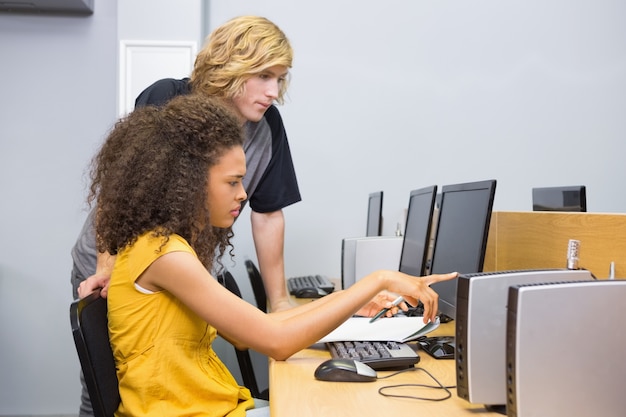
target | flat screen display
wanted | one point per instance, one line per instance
(570, 198)
(461, 238)
(417, 231)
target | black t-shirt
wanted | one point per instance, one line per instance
(270, 179)
(163, 91)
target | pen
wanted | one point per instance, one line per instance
(384, 310)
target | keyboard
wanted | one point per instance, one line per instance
(378, 355)
(310, 286)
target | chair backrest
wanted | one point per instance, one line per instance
(88, 318)
(243, 356)
(257, 285)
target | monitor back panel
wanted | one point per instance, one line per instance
(374, 214)
(348, 253)
(363, 255)
(374, 253)
(565, 347)
(481, 329)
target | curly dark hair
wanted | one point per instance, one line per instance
(151, 175)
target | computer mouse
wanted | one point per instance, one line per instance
(345, 370)
(310, 292)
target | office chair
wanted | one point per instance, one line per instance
(257, 285)
(88, 318)
(243, 356)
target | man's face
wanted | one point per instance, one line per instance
(259, 92)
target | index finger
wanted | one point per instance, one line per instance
(435, 278)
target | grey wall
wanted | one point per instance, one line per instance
(58, 88)
(384, 95)
(399, 95)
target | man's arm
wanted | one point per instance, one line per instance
(268, 232)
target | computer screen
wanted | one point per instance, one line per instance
(417, 231)
(461, 238)
(569, 198)
(375, 214)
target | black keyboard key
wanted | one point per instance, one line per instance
(378, 355)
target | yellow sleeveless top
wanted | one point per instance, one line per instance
(165, 363)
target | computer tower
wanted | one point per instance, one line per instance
(481, 329)
(565, 343)
(363, 255)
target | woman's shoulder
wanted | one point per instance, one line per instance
(160, 243)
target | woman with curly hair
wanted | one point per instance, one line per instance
(245, 63)
(168, 186)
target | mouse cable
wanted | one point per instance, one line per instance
(383, 390)
(414, 369)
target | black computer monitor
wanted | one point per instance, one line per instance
(568, 198)
(375, 214)
(461, 237)
(417, 231)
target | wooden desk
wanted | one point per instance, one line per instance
(294, 392)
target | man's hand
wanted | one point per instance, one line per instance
(104, 266)
(92, 283)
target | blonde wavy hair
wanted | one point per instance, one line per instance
(236, 51)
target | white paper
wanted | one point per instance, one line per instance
(389, 329)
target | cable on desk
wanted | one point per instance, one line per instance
(439, 386)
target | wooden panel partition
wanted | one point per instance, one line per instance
(529, 240)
